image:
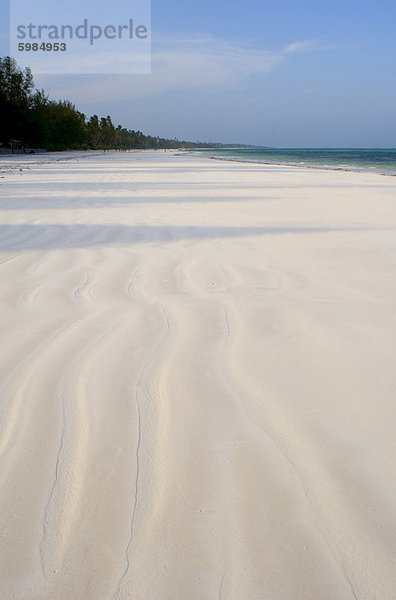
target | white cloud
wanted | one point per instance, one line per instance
(299, 47)
(177, 64)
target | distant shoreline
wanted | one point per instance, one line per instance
(319, 168)
(381, 161)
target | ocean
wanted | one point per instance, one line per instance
(378, 160)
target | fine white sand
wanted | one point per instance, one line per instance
(198, 376)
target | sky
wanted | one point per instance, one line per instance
(282, 73)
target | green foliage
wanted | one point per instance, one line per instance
(15, 99)
(15, 85)
(55, 125)
(30, 116)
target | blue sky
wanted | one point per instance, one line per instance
(279, 73)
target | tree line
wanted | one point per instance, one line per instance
(30, 117)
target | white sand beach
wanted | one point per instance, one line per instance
(198, 383)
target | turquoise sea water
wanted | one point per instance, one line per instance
(379, 160)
